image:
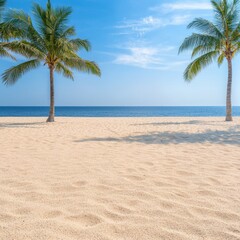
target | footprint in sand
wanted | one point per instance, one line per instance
(121, 209)
(131, 170)
(6, 218)
(134, 178)
(52, 214)
(148, 163)
(163, 184)
(80, 183)
(186, 173)
(64, 188)
(207, 193)
(87, 220)
(113, 216)
(23, 211)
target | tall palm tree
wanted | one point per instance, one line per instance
(50, 41)
(217, 40)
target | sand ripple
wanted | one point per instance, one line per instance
(105, 179)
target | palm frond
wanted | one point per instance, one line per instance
(78, 44)
(11, 75)
(60, 68)
(233, 14)
(68, 32)
(92, 67)
(60, 16)
(206, 27)
(219, 15)
(17, 19)
(82, 65)
(5, 53)
(198, 64)
(25, 48)
(197, 39)
(43, 23)
(8, 32)
(220, 59)
(202, 49)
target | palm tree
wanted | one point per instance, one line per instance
(217, 40)
(49, 41)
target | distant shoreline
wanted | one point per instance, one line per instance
(197, 111)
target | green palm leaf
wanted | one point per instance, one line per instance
(24, 48)
(206, 27)
(82, 65)
(198, 64)
(5, 53)
(11, 75)
(61, 68)
(197, 39)
(220, 59)
(78, 44)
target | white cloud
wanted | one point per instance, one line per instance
(182, 6)
(141, 26)
(141, 57)
(147, 58)
(150, 23)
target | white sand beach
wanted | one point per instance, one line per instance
(119, 178)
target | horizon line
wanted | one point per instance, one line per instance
(123, 106)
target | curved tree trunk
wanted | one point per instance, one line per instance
(229, 92)
(52, 107)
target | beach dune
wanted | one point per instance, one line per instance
(119, 178)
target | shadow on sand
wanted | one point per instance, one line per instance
(22, 125)
(192, 122)
(230, 136)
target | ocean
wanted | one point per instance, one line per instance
(117, 111)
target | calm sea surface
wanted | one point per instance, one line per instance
(117, 111)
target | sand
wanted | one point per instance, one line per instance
(119, 179)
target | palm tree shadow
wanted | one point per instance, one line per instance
(192, 122)
(231, 137)
(22, 125)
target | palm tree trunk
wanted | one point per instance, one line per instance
(229, 92)
(52, 107)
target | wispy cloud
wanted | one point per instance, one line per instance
(150, 23)
(187, 5)
(141, 26)
(151, 55)
(147, 57)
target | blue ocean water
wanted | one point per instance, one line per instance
(117, 111)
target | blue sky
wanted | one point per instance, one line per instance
(135, 42)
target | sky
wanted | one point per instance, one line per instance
(135, 43)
